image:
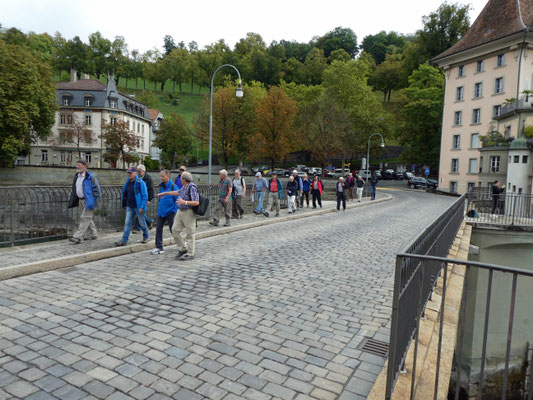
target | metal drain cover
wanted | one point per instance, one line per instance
(373, 346)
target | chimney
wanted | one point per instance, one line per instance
(73, 75)
(85, 75)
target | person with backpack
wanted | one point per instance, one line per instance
(292, 193)
(373, 183)
(185, 220)
(166, 210)
(275, 194)
(350, 183)
(299, 184)
(178, 183)
(306, 188)
(316, 190)
(360, 185)
(237, 194)
(225, 187)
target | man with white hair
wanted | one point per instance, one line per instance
(259, 190)
(299, 191)
(237, 194)
(141, 171)
(225, 186)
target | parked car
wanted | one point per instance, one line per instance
(278, 171)
(338, 172)
(398, 176)
(433, 184)
(417, 183)
(387, 175)
(260, 168)
(314, 171)
(365, 174)
(378, 175)
(408, 175)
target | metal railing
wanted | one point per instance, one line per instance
(414, 282)
(515, 209)
(35, 213)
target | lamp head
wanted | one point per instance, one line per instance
(382, 144)
(239, 92)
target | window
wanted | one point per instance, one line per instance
(480, 165)
(455, 165)
(63, 156)
(514, 188)
(525, 159)
(471, 186)
(456, 144)
(88, 120)
(62, 119)
(500, 60)
(460, 93)
(474, 141)
(458, 118)
(510, 160)
(476, 116)
(66, 100)
(113, 103)
(472, 166)
(497, 111)
(138, 127)
(495, 164)
(517, 159)
(142, 143)
(113, 120)
(44, 155)
(461, 71)
(453, 187)
(88, 101)
(508, 131)
(478, 89)
(480, 66)
(88, 157)
(69, 119)
(498, 85)
(142, 128)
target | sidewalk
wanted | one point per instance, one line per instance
(24, 260)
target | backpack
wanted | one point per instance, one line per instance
(204, 203)
(233, 192)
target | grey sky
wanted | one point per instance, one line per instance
(145, 23)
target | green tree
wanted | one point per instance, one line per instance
(388, 76)
(174, 139)
(338, 38)
(120, 142)
(177, 66)
(420, 118)
(27, 101)
(383, 44)
(295, 71)
(100, 49)
(339, 55)
(169, 44)
(315, 64)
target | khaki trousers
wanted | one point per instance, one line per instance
(86, 223)
(223, 206)
(185, 220)
(273, 200)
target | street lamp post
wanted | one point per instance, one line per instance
(238, 93)
(368, 149)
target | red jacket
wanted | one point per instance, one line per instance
(319, 186)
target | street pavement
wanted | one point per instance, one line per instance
(275, 312)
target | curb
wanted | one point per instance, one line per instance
(72, 260)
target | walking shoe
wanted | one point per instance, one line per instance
(290, 212)
(187, 257)
(256, 212)
(120, 243)
(145, 240)
(277, 214)
(235, 217)
(240, 216)
(227, 223)
(91, 238)
(134, 231)
(157, 251)
(266, 214)
(181, 253)
(75, 240)
(151, 225)
(214, 223)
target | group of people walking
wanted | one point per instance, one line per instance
(178, 199)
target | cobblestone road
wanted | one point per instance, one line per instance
(273, 312)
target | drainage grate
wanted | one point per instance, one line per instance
(374, 346)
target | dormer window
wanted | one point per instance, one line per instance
(113, 103)
(88, 101)
(66, 100)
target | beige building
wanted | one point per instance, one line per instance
(86, 104)
(488, 74)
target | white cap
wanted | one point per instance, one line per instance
(258, 174)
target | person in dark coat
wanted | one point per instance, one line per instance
(316, 190)
(292, 193)
(497, 189)
(341, 188)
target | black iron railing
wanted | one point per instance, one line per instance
(514, 209)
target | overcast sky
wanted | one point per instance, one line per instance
(145, 23)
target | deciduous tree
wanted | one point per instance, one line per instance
(74, 132)
(174, 139)
(120, 141)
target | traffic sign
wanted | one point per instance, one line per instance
(426, 171)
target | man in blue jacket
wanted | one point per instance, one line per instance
(166, 209)
(85, 193)
(134, 201)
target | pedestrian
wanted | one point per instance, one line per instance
(85, 194)
(350, 183)
(166, 209)
(341, 194)
(275, 193)
(496, 192)
(177, 182)
(306, 188)
(185, 220)
(134, 201)
(225, 188)
(373, 183)
(360, 185)
(259, 190)
(238, 193)
(299, 182)
(316, 190)
(141, 170)
(292, 192)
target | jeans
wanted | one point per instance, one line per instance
(159, 229)
(260, 199)
(306, 196)
(372, 192)
(130, 212)
(341, 196)
(137, 225)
